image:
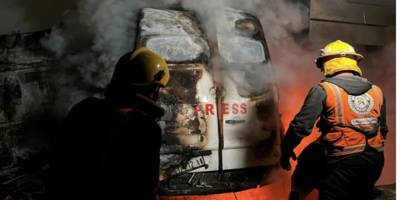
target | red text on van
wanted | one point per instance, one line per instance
(234, 108)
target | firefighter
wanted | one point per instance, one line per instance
(347, 159)
(110, 147)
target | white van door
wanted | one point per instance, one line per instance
(249, 97)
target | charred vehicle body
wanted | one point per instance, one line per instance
(222, 129)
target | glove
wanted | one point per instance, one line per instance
(290, 141)
(285, 160)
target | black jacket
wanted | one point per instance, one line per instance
(101, 154)
(303, 123)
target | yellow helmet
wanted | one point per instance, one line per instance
(338, 56)
(141, 67)
(141, 71)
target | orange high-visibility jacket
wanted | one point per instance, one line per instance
(352, 121)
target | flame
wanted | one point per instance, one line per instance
(291, 100)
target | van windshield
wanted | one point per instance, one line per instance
(238, 49)
(243, 60)
(243, 55)
(179, 48)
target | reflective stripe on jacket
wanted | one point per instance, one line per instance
(348, 121)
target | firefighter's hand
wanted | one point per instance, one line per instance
(285, 160)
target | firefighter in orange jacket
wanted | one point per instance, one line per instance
(347, 159)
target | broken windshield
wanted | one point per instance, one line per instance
(178, 48)
(238, 49)
(243, 55)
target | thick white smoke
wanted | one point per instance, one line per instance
(89, 42)
(99, 31)
(112, 24)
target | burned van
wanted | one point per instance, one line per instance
(221, 130)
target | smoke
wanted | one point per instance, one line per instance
(292, 57)
(112, 25)
(209, 12)
(97, 33)
(281, 21)
(92, 38)
(88, 44)
(55, 42)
